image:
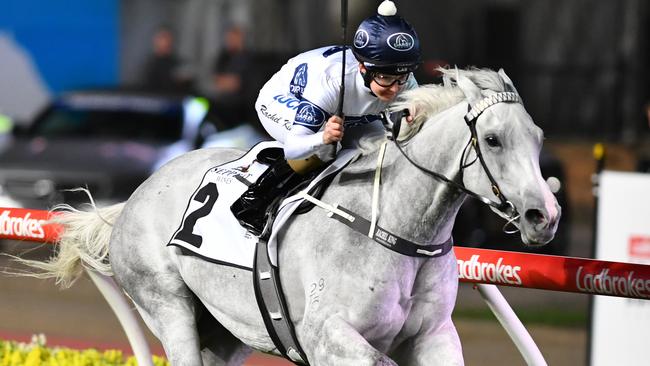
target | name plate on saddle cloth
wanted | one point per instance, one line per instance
(209, 229)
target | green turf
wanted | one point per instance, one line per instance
(551, 317)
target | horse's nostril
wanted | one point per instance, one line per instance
(535, 217)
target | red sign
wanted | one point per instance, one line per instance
(639, 246)
(26, 224)
(554, 273)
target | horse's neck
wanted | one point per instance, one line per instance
(420, 205)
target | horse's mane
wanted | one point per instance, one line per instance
(430, 99)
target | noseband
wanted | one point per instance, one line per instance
(504, 207)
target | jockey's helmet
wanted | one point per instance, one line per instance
(387, 43)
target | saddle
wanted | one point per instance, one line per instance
(257, 206)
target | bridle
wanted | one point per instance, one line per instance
(504, 207)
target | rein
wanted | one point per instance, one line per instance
(370, 228)
(504, 207)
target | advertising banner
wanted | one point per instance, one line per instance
(26, 224)
(621, 326)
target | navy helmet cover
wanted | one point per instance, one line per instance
(387, 44)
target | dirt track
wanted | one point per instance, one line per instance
(79, 317)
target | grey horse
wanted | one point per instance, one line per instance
(351, 300)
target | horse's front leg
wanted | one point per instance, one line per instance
(440, 346)
(340, 344)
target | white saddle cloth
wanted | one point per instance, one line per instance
(222, 239)
(209, 229)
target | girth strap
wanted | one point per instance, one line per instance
(270, 299)
(390, 240)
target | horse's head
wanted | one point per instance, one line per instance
(510, 144)
(500, 163)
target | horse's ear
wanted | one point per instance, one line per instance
(509, 85)
(471, 91)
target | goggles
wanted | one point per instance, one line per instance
(387, 80)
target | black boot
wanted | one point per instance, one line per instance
(250, 208)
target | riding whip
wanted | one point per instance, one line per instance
(344, 26)
(339, 109)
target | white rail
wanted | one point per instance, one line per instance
(511, 323)
(126, 316)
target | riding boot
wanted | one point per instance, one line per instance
(250, 209)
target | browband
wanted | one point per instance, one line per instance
(487, 102)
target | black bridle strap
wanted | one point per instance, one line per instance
(495, 186)
(504, 206)
(440, 177)
(470, 118)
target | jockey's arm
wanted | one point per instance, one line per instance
(311, 129)
(301, 142)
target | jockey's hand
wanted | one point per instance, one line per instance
(410, 118)
(333, 130)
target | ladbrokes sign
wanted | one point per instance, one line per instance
(608, 284)
(21, 226)
(26, 224)
(476, 270)
(554, 273)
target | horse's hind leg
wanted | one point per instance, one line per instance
(163, 300)
(218, 345)
(188, 332)
(171, 319)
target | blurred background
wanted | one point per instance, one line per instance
(85, 85)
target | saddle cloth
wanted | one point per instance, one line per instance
(209, 229)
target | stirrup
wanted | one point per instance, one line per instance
(251, 227)
(251, 221)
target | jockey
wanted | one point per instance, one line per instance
(297, 105)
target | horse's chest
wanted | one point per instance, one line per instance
(411, 317)
(390, 319)
(417, 308)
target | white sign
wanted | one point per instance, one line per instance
(621, 327)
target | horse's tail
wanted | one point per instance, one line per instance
(82, 244)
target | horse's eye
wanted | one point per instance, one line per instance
(492, 141)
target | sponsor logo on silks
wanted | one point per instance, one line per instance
(299, 80)
(288, 100)
(604, 283)
(481, 271)
(361, 39)
(21, 226)
(353, 121)
(400, 41)
(310, 115)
